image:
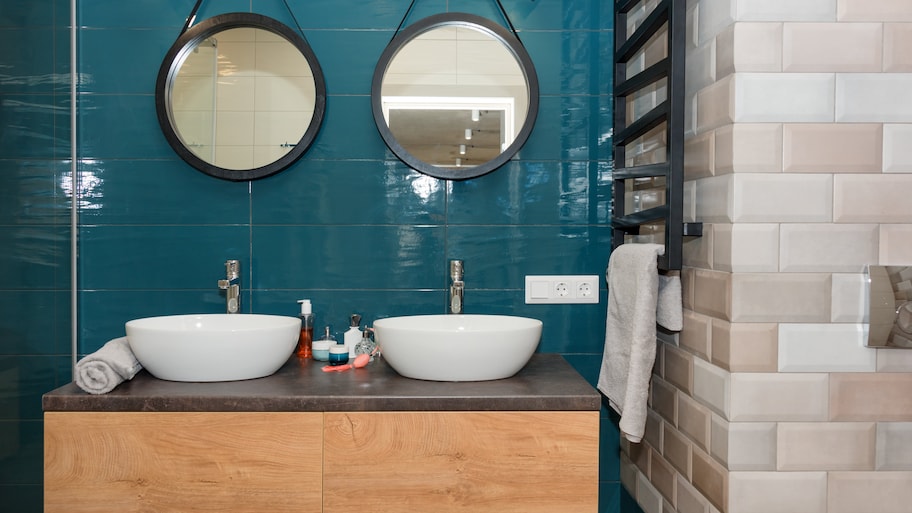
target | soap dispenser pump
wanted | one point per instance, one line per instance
(305, 340)
(353, 335)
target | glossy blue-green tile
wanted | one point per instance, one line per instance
(609, 450)
(565, 328)
(361, 14)
(588, 365)
(35, 13)
(30, 192)
(124, 61)
(527, 250)
(348, 132)
(102, 313)
(571, 128)
(348, 58)
(348, 257)
(351, 192)
(565, 14)
(566, 61)
(23, 380)
(530, 193)
(160, 257)
(28, 59)
(35, 322)
(33, 255)
(609, 497)
(23, 465)
(334, 307)
(138, 13)
(23, 498)
(158, 192)
(30, 126)
(137, 134)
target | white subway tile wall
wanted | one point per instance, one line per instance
(799, 164)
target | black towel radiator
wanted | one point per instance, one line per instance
(667, 16)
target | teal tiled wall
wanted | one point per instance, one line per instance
(347, 226)
(35, 235)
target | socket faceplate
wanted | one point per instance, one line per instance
(562, 289)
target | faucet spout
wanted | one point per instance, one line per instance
(232, 286)
(457, 286)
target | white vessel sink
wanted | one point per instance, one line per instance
(457, 347)
(213, 347)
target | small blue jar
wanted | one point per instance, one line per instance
(338, 354)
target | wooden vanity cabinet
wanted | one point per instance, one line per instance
(378, 462)
(467, 462)
(182, 462)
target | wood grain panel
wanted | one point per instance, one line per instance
(392, 462)
(182, 462)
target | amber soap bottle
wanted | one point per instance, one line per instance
(305, 341)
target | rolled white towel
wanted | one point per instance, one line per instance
(101, 371)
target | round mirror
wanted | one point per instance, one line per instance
(240, 96)
(455, 95)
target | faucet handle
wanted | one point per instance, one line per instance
(456, 270)
(232, 268)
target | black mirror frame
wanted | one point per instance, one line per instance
(189, 40)
(508, 39)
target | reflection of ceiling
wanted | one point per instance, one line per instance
(434, 136)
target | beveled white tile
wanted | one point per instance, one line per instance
(769, 397)
(784, 97)
(701, 67)
(810, 446)
(786, 10)
(781, 297)
(894, 360)
(897, 148)
(873, 97)
(826, 47)
(711, 386)
(780, 492)
(757, 47)
(832, 148)
(714, 17)
(874, 10)
(827, 247)
(824, 348)
(894, 446)
(880, 492)
(895, 244)
(689, 499)
(849, 296)
(713, 198)
(715, 105)
(864, 198)
(795, 198)
(648, 498)
(897, 41)
(748, 148)
(699, 153)
(751, 446)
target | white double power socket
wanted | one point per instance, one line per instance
(562, 289)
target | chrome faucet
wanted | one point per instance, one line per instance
(457, 286)
(232, 286)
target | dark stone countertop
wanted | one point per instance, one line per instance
(548, 382)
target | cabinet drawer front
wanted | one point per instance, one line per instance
(182, 462)
(478, 462)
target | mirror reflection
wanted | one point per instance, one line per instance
(457, 95)
(240, 96)
(243, 98)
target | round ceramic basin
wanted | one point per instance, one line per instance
(457, 347)
(213, 347)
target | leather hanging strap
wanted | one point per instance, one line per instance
(191, 17)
